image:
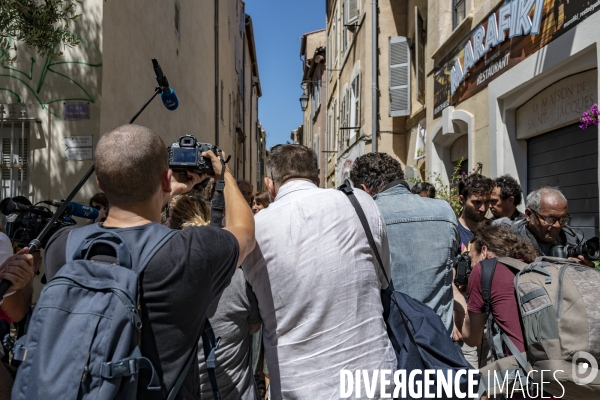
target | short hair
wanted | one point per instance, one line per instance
(475, 184)
(292, 161)
(244, 182)
(130, 163)
(100, 198)
(375, 170)
(186, 211)
(262, 198)
(509, 187)
(534, 199)
(422, 186)
(502, 241)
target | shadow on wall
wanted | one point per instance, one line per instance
(44, 85)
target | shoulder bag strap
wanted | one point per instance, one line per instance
(346, 188)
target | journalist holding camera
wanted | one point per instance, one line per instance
(187, 270)
(546, 227)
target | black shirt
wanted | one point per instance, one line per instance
(178, 285)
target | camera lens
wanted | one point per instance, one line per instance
(591, 249)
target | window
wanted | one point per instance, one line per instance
(399, 76)
(177, 18)
(458, 12)
(334, 134)
(335, 42)
(355, 105)
(15, 156)
(328, 50)
(420, 56)
(352, 10)
(344, 29)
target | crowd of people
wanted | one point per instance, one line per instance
(293, 267)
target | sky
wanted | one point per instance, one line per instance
(278, 28)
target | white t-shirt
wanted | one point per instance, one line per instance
(318, 286)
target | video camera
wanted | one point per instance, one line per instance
(463, 269)
(589, 249)
(185, 154)
(26, 221)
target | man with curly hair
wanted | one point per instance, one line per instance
(474, 196)
(422, 233)
(506, 197)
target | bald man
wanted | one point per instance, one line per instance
(185, 273)
(546, 222)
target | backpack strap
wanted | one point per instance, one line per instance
(143, 243)
(488, 267)
(513, 263)
(210, 346)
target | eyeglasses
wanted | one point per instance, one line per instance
(552, 220)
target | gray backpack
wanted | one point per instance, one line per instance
(560, 315)
(83, 336)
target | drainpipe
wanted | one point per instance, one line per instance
(216, 72)
(374, 105)
(244, 105)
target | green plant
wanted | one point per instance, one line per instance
(40, 24)
(447, 191)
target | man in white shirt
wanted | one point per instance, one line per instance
(317, 281)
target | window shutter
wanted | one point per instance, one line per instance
(352, 10)
(420, 56)
(399, 76)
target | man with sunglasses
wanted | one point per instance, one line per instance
(546, 222)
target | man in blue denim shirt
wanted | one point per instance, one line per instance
(422, 233)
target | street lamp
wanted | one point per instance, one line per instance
(304, 102)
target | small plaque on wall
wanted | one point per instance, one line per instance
(76, 111)
(79, 154)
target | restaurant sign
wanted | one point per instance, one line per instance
(512, 32)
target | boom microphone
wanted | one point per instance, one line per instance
(76, 209)
(168, 96)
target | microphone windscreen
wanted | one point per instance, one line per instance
(82, 211)
(170, 100)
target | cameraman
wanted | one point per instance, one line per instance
(490, 241)
(191, 269)
(546, 223)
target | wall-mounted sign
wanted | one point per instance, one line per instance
(511, 33)
(79, 153)
(558, 105)
(76, 110)
(78, 141)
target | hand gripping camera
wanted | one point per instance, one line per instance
(589, 249)
(463, 269)
(185, 154)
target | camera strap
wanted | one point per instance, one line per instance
(218, 201)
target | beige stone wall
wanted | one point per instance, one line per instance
(43, 86)
(111, 69)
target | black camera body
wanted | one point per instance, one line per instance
(463, 269)
(185, 154)
(589, 249)
(26, 221)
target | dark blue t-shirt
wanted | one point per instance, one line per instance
(465, 237)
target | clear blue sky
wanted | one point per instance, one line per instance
(278, 28)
